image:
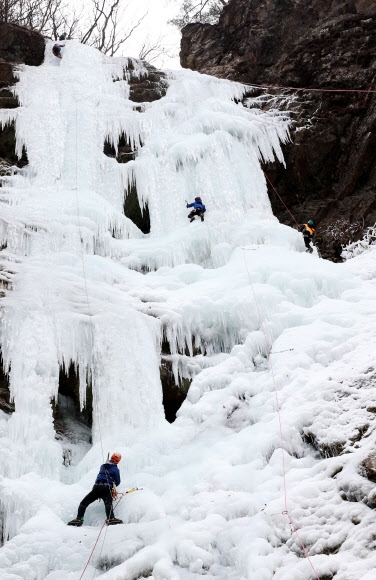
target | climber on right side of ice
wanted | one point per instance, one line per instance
(308, 233)
(104, 488)
(56, 49)
(198, 209)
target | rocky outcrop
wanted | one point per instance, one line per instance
(330, 175)
(21, 45)
(18, 45)
(368, 468)
(149, 87)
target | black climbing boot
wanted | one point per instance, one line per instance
(192, 220)
(202, 218)
(113, 521)
(77, 522)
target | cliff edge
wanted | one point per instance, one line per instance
(330, 174)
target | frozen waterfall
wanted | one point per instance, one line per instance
(91, 292)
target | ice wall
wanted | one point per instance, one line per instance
(89, 288)
(65, 305)
(66, 206)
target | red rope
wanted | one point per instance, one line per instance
(225, 236)
(96, 541)
(92, 552)
(279, 423)
(277, 405)
(308, 89)
(302, 544)
(281, 199)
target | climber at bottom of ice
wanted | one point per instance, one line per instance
(104, 488)
(56, 49)
(198, 209)
(308, 233)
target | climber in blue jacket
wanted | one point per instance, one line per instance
(104, 488)
(199, 209)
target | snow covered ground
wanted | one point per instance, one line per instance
(248, 315)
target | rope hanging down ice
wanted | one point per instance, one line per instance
(268, 348)
(267, 343)
(101, 530)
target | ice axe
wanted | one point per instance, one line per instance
(131, 490)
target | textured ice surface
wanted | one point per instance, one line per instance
(88, 287)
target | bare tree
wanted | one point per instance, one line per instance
(8, 10)
(207, 11)
(105, 31)
(155, 49)
(46, 16)
(102, 29)
(19, 11)
(66, 19)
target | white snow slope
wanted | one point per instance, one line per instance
(213, 481)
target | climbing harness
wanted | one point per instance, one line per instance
(310, 230)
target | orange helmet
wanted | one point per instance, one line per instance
(115, 458)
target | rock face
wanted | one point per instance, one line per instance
(147, 88)
(21, 45)
(18, 45)
(330, 175)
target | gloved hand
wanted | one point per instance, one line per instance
(187, 206)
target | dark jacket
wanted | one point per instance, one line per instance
(197, 205)
(307, 231)
(56, 49)
(109, 473)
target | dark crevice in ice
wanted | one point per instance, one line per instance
(174, 394)
(127, 152)
(6, 404)
(72, 424)
(132, 210)
(8, 156)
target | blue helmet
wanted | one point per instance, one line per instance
(310, 222)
